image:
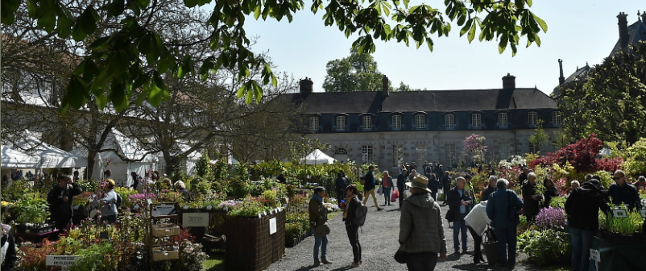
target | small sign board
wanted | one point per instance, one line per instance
(619, 213)
(594, 255)
(163, 209)
(272, 225)
(643, 213)
(61, 260)
(195, 219)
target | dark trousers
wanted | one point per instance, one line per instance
(62, 221)
(387, 195)
(477, 243)
(353, 235)
(507, 245)
(421, 261)
(339, 197)
(401, 195)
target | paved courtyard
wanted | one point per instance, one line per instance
(378, 238)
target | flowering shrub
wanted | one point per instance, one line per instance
(192, 256)
(581, 155)
(551, 218)
(474, 146)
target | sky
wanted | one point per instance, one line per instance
(579, 32)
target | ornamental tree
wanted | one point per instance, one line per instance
(133, 58)
(474, 147)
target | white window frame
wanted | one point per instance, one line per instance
(366, 153)
(420, 121)
(451, 154)
(503, 119)
(398, 155)
(534, 148)
(476, 120)
(556, 117)
(532, 118)
(314, 123)
(449, 121)
(396, 120)
(340, 122)
(366, 122)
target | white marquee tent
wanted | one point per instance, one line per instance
(318, 157)
(46, 155)
(17, 159)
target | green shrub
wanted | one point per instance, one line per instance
(547, 247)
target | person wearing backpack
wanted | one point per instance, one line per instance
(421, 234)
(351, 226)
(318, 219)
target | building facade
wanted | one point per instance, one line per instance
(390, 129)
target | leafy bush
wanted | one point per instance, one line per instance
(582, 155)
(636, 158)
(547, 247)
(624, 226)
(558, 202)
(551, 219)
(31, 208)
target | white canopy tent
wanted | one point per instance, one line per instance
(318, 157)
(12, 158)
(48, 156)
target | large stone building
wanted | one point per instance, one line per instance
(391, 128)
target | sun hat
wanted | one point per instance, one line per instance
(420, 181)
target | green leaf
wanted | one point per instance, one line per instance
(256, 12)
(540, 22)
(116, 8)
(472, 33)
(190, 3)
(9, 8)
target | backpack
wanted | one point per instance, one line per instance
(360, 214)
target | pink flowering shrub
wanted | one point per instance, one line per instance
(551, 218)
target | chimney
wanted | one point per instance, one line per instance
(306, 86)
(384, 86)
(509, 81)
(644, 17)
(623, 30)
(561, 78)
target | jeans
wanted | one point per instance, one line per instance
(507, 245)
(421, 261)
(459, 226)
(581, 243)
(367, 194)
(387, 195)
(320, 242)
(401, 195)
(353, 235)
(477, 242)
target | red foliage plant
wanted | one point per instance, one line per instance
(32, 257)
(582, 155)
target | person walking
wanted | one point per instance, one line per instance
(498, 210)
(352, 202)
(386, 185)
(477, 222)
(446, 186)
(421, 234)
(318, 222)
(582, 208)
(340, 184)
(369, 187)
(401, 183)
(460, 203)
(60, 200)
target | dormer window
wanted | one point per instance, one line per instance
(476, 120)
(340, 123)
(532, 118)
(314, 123)
(420, 121)
(366, 122)
(396, 120)
(449, 121)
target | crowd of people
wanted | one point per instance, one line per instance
(421, 233)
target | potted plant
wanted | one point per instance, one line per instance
(31, 210)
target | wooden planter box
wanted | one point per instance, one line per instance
(250, 246)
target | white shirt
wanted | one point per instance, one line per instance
(477, 218)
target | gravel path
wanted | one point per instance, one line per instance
(378, 238)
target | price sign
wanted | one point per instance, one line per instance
(195, 219)
(619, 213)
(594, 255)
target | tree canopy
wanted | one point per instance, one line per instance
(612, 102)
(133, 58)
(358, 72)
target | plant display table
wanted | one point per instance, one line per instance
(625, 256)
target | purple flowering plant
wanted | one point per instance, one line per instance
(551, 218)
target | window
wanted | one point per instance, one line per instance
(398, 155)
(476, 120)
(366, 153)
(556, 117)
(366, 122)
(450, 154)
(534, 148)
(532, 118)
(314, 123)
(420, 149)
(420, 121)
(341, 151)
(502, 120)
(396, 122)
(340, 123)
(449, 121)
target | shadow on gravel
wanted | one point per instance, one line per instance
(476, 267)
(393, 210)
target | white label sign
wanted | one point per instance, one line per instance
(61, 260)
(594, 255)
(195, 219)
(272, 225)
(619, 213)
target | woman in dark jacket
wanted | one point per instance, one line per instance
(550, 192)
(530, 198)
(352, 202)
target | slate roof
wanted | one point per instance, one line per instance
(426, 101)
(636, 33)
